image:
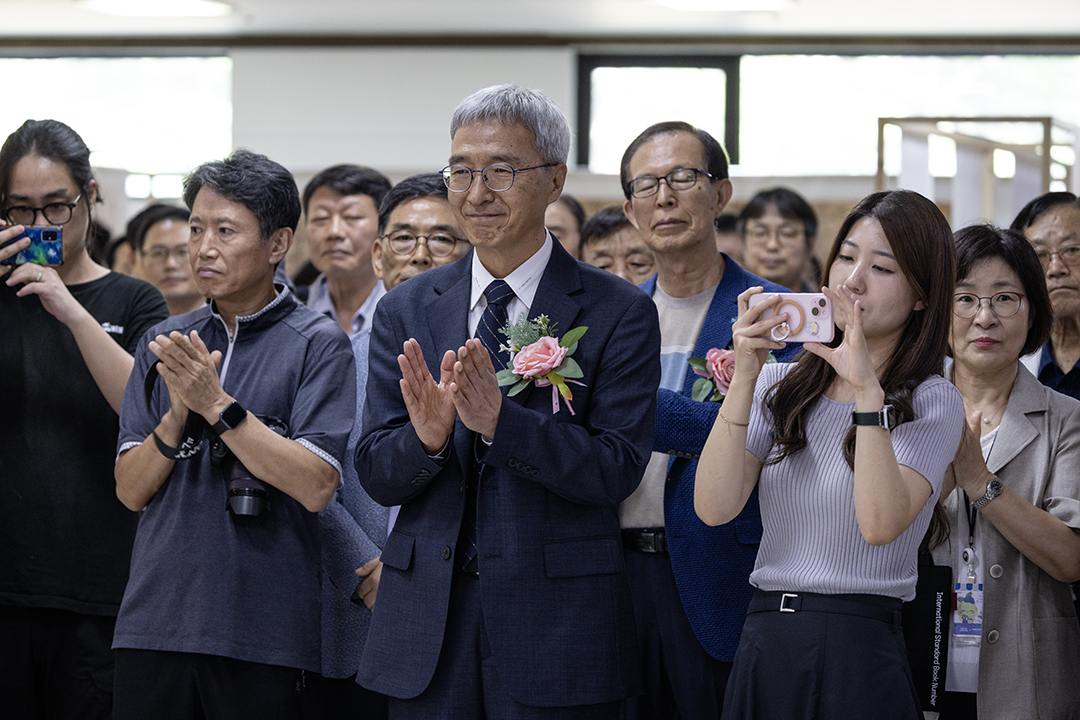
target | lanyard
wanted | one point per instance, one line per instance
(968, 554)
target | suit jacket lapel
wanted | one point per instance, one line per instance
(1015, 431)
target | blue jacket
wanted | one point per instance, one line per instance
(555, 596)
(712, 565)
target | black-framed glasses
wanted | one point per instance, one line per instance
(56, 213)
(677, 179)
(1069, 255)
(404, 243)
(497, 176)
(159, 254)
(1006, 304)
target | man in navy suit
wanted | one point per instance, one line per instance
(690, 581)
(503, 591)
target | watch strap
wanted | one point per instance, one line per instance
(230, 417)
(993, 489)
(888, 417)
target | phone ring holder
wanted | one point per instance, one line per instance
(788, 330)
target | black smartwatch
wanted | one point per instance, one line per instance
(888, 417)
(231, 416)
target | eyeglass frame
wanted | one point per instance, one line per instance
(1061, 258)
(173, 253)
(763, 234)
(472, 173)
(70, 208)
(667, 181)
(416, 244)
(979, 307)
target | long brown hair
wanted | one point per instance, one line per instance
(922, 243)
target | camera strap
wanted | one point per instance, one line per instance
(194, 428)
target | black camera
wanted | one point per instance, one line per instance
(247, 496)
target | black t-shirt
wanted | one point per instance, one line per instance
(65, 539)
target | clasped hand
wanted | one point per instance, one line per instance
(190, 371)
(467, 388)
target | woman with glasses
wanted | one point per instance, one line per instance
(66, 336)
(848, 448)
(1014, 542)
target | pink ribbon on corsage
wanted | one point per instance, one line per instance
(544, 382)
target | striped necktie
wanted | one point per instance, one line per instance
(498, 295)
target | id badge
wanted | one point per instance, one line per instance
(968, 613)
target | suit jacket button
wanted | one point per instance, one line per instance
(996, 571)
(446, 552)
(992, 637)
(535, 473)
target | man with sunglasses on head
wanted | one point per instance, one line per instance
(503, 593)
(417, 232)
(690, 581)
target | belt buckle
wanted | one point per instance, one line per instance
(783, 602)
(648, 541)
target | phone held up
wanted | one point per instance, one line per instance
(810, 316)
(46, 247)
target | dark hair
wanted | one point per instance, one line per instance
(574, 207)
(349, 180)
(100, 236)
(977, 243)
(604, 222)
(1031, 212)
(921, 240)
(255, 181)
(716, 162)
(790, 204)
(111, 248)
(727, 223)
(411, 188)
(150, 216)
(49, 139)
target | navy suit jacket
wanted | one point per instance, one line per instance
(712, 565)
(555, 597)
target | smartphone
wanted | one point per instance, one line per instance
(46, 247)
(809, 316)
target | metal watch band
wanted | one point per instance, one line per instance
(993, 489)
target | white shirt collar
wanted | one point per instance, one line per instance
(524, 280)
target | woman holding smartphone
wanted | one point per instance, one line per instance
(66, 336)
(848, 447)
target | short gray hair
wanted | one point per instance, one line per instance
(513, 104)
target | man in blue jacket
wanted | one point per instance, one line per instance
(503, 592)
(675, 178)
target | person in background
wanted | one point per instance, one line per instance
(778, 228)
(159, 234)
(610, 242)
(564, 218)
(848, 448)
(67, 334)
(688, 580)
(341, 207)
(728, 240)
(417, 232)
(1014, 518)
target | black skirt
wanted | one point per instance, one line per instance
(827, 657)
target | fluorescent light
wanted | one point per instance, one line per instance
(160, 8)
(724, 5)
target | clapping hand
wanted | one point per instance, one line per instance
(430, 404)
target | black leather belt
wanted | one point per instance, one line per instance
(875, 607)
(646, 540)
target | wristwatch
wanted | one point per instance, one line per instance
(888, 417)
(993, 489)
(231, 416)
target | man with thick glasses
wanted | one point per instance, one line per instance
(159, 237)
(503, 592)
(689, 580)
(418, 232)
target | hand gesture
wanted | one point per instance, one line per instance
(371, 571)
(431, 408)
(475, 389)
(851, 359)
(968, 466)
(751, 338)
(190, 371)
(40, 280)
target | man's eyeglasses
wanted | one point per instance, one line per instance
(56, 213)
(497, 176)
(677, 179)
(404, 243)
(786, 234)
(1069, 255)
(159, 254)
(1006, 304)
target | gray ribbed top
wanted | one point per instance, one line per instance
(811, 540)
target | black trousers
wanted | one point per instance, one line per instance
(326, 698)
(189, 686)
(681, 679)
(55, 664)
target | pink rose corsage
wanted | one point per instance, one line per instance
(538, 357)
(715, 369)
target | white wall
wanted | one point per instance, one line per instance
(387, 108)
